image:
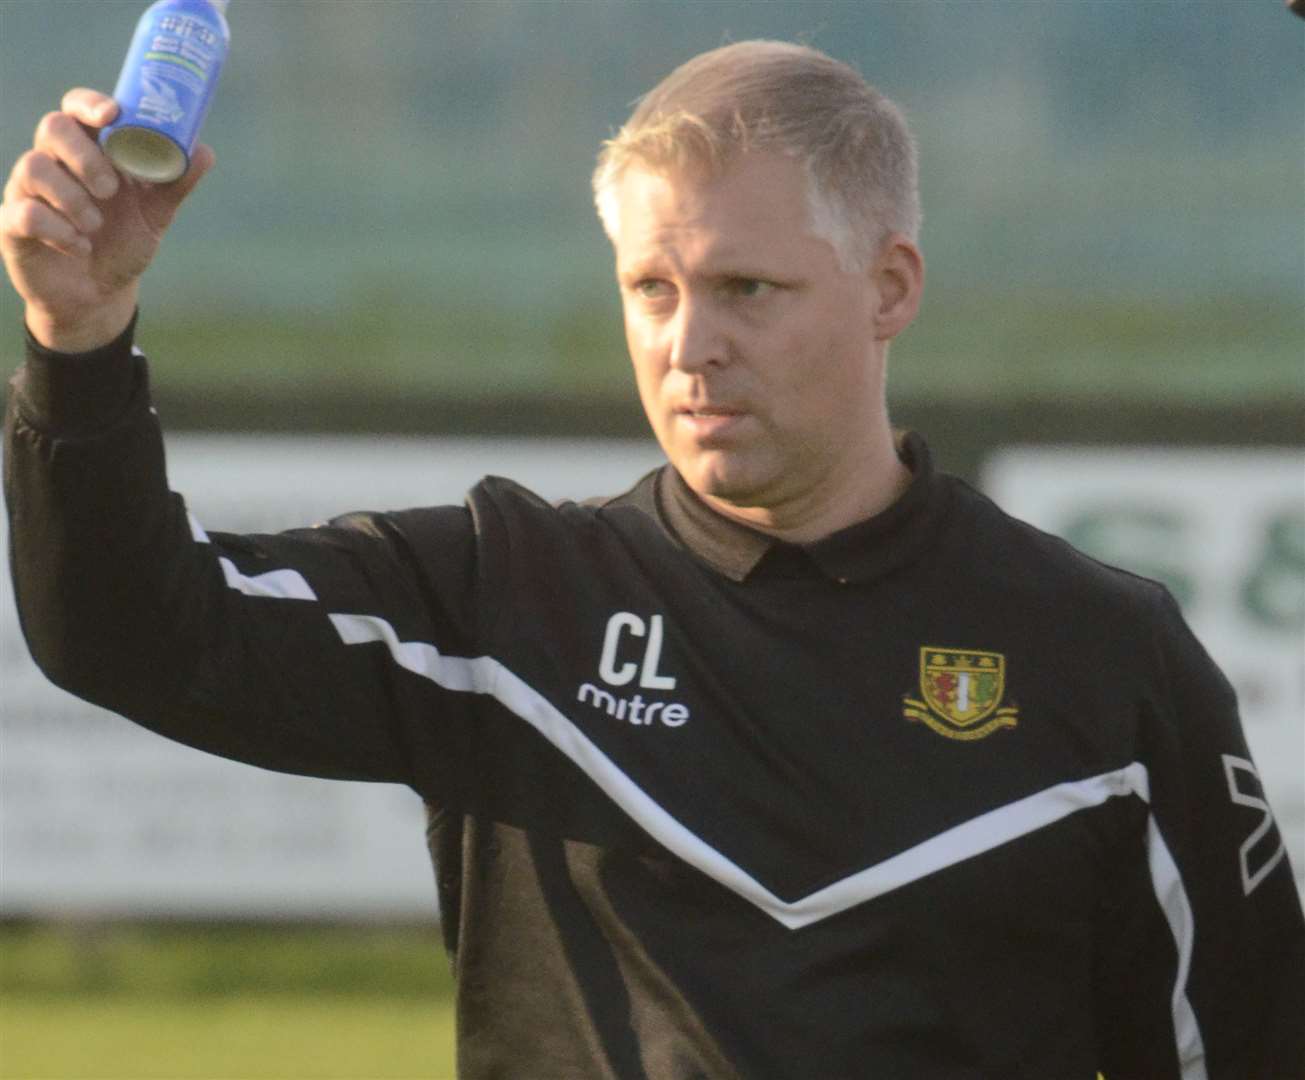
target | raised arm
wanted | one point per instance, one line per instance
(285, 651)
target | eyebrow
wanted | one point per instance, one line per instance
(724, 261)
(728, 272)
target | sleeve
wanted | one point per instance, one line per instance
(1202, 974)
(296, 652)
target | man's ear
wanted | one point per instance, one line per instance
(898, 278)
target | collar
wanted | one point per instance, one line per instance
(859, 553)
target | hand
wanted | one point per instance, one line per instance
(75, 235)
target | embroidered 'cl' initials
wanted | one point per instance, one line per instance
(649, 679)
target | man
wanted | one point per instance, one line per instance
(799, 759)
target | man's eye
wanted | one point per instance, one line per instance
(652, 288)
(749, 288)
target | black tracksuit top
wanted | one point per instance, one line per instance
(934, 798)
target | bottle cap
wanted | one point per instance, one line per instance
(146, 154)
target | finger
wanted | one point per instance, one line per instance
(37, 174)
(90, 107)
(30, 221)
(62, 137)
(166, 198)
(201, 161)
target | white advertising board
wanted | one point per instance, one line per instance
(1225, 530)
(99, 817)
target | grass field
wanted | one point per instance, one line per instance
(223, 1003)
(244, 1037)
(967, 346)
(133, 1002)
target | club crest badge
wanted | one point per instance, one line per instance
(961, 691)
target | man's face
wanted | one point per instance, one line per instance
(754, 351)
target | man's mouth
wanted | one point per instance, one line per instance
(709, 421)
(708, 410)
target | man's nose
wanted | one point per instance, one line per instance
(698, 340)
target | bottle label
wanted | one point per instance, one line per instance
(165, 87)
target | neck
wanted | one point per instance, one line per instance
(870, 484)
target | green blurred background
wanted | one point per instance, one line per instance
(398, 237)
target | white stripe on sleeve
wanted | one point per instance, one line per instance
(279, 584)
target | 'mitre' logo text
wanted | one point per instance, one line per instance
(962, 691)
(618, 667)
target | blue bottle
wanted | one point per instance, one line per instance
(165, 87)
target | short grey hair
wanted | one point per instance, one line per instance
(859, 154)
